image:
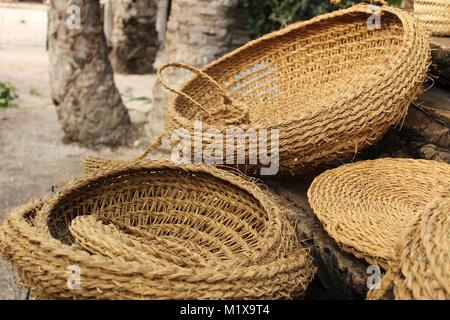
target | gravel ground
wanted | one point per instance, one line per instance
(32, 155)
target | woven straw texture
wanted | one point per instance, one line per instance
(423, 271)
(156, 230)
(329, 85)
(435, 15)
(368, 207)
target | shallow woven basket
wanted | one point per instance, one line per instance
(369, 206)
(330, 85)
(156, 230)
(423, 271)
(435, 15)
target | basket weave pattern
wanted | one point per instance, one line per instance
(368, 207)
(425, 260)
(435, 15)
(329, 85)
(423, 270)
(156, 230)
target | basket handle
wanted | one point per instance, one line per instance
(200, 73)
(227, 99)
(152, 147)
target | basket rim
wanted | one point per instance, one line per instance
(407, 45)
(45, 248)
(274, 227)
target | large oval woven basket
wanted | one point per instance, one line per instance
(157, 231)
(435, 15)
(330, 86)
(423, 270)
(368, 207)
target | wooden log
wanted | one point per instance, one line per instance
(339, 275)
(440, 50)
(425, 133)
(427, 126)
(429, 118)
(431, 152)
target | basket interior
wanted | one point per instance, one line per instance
(207, 215)
(303, 70)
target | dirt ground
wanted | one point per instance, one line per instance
(32, 156)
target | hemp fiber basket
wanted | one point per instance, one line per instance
(435, 15)
(157, 230)
(330, 86)
(423, 271)
(368, 206)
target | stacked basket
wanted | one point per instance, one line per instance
(157, 230)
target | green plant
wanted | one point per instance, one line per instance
(34, 92)
(7, 94)
(144, 99)
(268, 15)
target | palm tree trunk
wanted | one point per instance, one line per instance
(88, 104)
(407, 4)
(162, 14)
(134, 38)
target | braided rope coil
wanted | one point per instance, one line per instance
(157, 230)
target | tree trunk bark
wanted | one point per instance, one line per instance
(198, 31)
(134, 38)
(407, 4)
(88, 104)
(162, 14)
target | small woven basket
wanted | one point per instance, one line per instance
(368, 207)
(331, 86)
(157, 230)
(423, 271)
(435, 15)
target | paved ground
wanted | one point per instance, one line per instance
(32, 156)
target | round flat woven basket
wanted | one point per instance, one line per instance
(330, 86)
(423, 271)
(435, 15)
(369, 206)
(157, 230)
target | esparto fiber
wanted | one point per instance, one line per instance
(369, 206)
(157, 230)
(331, 86)
(435, 15)
(423, 270)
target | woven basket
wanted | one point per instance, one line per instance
(156, 230)
(423, 270)
(435, 15)
(368, 207)
(329, 85)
